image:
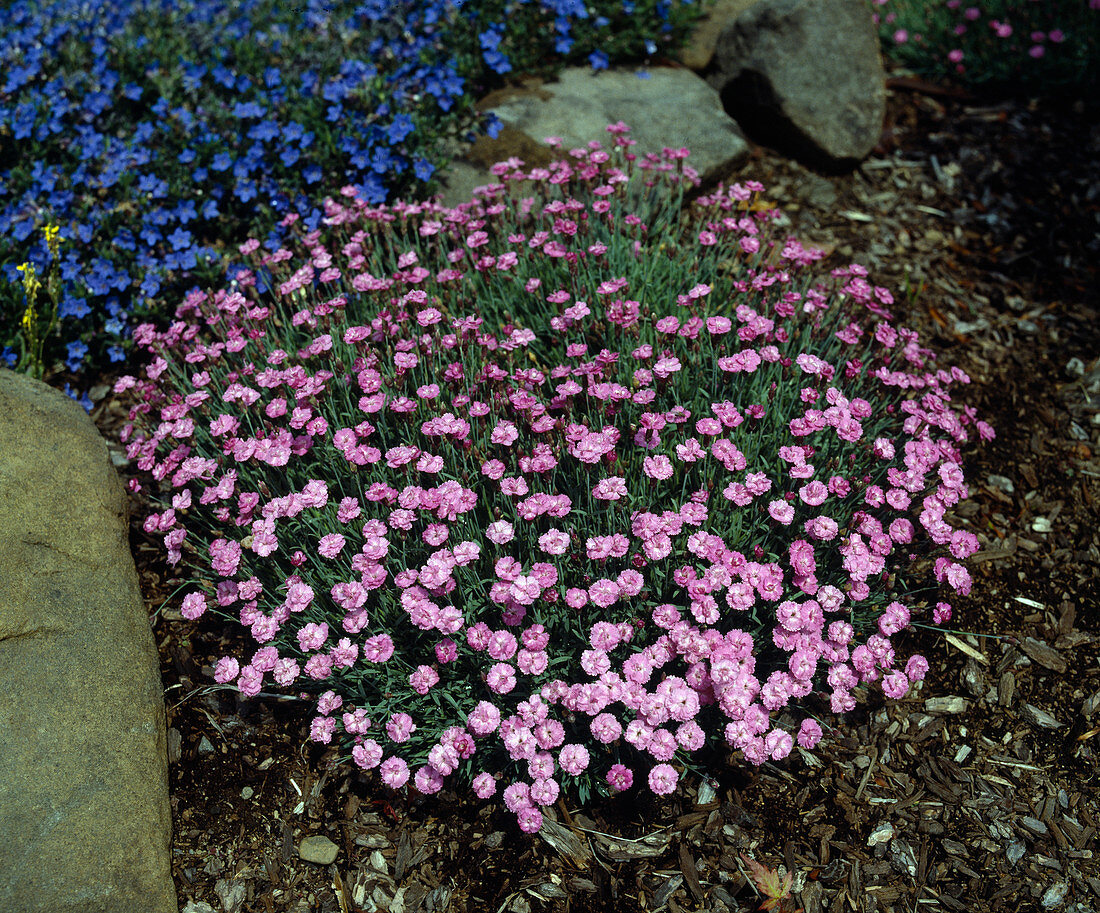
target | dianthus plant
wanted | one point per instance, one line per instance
(542, 493)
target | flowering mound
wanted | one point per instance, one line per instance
(559, 497)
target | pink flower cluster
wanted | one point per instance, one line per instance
(533, 548)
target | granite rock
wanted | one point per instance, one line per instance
(84, 814)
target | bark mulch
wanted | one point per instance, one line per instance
(977, 792)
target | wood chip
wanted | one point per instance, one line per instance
(691, 872)
(1040, 717)
(619, 849)
(966, 648)
(1044, 654)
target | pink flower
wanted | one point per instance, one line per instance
(610, 489)
(657, 467)
(605, 728)
(663, 779)
(544, 791)
(621, 777)
(554, 542)
(400, 726)
(529, 819)
(501, 678)
(367, 754)
(604, 593)
(500, 532)
(312, 636)
(781, 512)
(814, 493)
(483, 719)
(573, 759)
(809, 733)
(194, 605)
(484, 785)
(226, 670)
(331, 545)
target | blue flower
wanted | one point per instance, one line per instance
(116, 353)
(221, 161)
(76, 352)
(423, 169)
(401, 127)
(185, 211)
(245, 191)
(496, 61)
(490, 38)
(76, 308)
(81, 398)
(599, 60)
(9, 356)
(179, 239)
(311, 174)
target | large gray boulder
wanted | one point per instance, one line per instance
(804, 76)
(669, 107)
(84, 814)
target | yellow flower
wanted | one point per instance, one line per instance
(31, 285)
(53, 238)
(30, 318)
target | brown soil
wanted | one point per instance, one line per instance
(978, 792)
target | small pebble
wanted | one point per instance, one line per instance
(205, 746)
(1075, 368)
(318, 849)
(247, 792)
(1015, 851)
(1003, 483)
(1041, 525)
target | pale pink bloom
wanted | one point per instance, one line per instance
(663, 779)
(605, 728)
(312, 636)
(604, 592)
(484, 785)
(400, 727)
(194, 605)
(367, 754)
(809, 733)
(529, 818)
(554, 542)
(501, 678)
(781, 512)
(331, 545)
(500, 532)
(226, 670)
(657, 467)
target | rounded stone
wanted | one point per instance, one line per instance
(318, 849)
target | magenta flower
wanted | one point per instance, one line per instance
(620, 777)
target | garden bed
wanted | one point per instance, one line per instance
(982, 217)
